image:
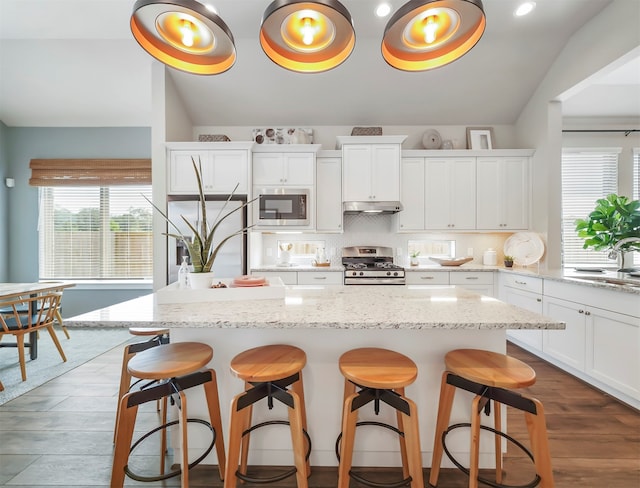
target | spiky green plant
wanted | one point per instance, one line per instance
(613, 219)
(202, 252)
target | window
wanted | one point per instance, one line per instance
(94, 222)
(587, 175)
(423, 249)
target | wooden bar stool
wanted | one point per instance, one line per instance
(491, 376)
(156, 336)
(381, 375)
(176, 367)
(268, 371)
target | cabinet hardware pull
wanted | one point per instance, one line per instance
(426, 277)
(471, 278)
(538, 299)
(580, 311)
(520, 282)
(319, 277)
(587, 313)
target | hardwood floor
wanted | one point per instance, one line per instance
(60, 434)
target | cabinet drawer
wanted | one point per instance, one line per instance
(520, 282)
(471, 278)
(287, 277)
(320, 278)
(427, 278)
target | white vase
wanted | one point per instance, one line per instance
(200, 280)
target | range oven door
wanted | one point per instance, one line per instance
(284, 207)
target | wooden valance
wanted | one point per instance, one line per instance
(90, 172)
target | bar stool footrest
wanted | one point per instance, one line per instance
(364, 481)
(531, 484)
(177, 472)
(277, 477)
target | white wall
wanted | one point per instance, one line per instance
(613, 34)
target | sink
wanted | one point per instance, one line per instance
(633, 283)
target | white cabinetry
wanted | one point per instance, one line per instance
(502, 193)
(222, 169)
(328, 194)
(371, 168)
(479, 281)
(305, 277)
(524, 292)
(427, 277)
(412, 196)
(450, 193)
(569, 345)
(283, 168)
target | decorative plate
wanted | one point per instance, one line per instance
(431, 139)
(451, 261)
(526, 248)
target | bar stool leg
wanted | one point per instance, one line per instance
(246, 439)
(238, 421)
(349, 420)
(447, 394)
(184, 443)
(403, 440)
(125, 381)
(297, 439)
(537, 428)
(298, 388)
(476, 411)
(213, 402)
(126, 423)
(497, 425)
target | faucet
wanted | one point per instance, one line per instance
(613, 253)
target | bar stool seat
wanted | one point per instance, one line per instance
(491, 376)
(176, 367)
(268, 371)
(381, 375)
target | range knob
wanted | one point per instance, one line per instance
(395, 273)
(361, 273)
(354, 273)
(388, 273)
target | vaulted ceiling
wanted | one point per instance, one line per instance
(74, 63)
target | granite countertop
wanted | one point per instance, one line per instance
(328, 307)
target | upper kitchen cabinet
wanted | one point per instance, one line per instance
(224, 165)
(328, 191)
(371, 167)
(502, 193)
(412, 195)
(281, 165)
(450, 193)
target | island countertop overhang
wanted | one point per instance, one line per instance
(328, 307)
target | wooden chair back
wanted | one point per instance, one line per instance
(16, 318)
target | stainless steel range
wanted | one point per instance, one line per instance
(371, 266)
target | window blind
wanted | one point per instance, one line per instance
(587, 175)
(94, 172)
(93, 232)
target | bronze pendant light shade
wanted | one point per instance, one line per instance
(427, 34)
(183, 34)
(307, 36)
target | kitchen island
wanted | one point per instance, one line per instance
(420, 322)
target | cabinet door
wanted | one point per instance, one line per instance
(268, 169)
(412, 195)
(287, 277)
(298, 169)
(427, 278)
(320, 278)
(450, 193)
(385, 172)
(529, 301)
(356, 172)
(228, 169)
(328, 195)
(613, 350)
(182, 178)
(502, 193)
(568, 345)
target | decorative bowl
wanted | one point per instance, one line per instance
(451, 261)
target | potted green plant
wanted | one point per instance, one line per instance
(508, 261)
(200, 246)
(414, 258)
(614, 225)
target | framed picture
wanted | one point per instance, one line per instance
(480, 137)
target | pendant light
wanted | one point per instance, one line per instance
(183, 34)
(307, 36)
(427, 34)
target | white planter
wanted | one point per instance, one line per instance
(199, 281)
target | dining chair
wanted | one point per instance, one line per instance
(23, 315)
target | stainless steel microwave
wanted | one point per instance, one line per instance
(284, 206)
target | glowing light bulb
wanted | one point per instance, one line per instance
(187, 33)
(430, 29)
(307, 31)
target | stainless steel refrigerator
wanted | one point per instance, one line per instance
(232, 258)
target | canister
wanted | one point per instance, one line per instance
(490, 257)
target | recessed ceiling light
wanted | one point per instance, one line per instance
(524, 9)
(383, 10)
(210, 8)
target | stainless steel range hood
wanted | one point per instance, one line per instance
(372, 207)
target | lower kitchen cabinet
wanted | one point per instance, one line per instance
(287, 277)
(523, 292)
(427, 277)
(479, 281)
(306, 277)
(568, 345)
